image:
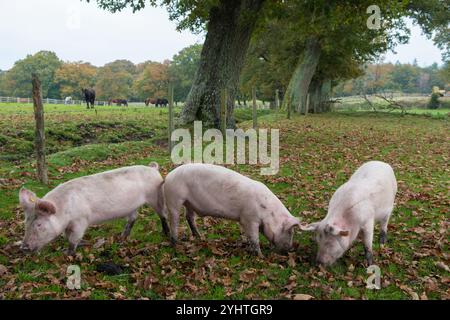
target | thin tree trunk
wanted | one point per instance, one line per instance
(314, 92)
(39, 138)
(325, 93)
(230, 27)
(299, 84)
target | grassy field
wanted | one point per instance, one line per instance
(412, 104)
(317, 154)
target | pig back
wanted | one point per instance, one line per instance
(211, 190)
(370, 190)
(108, 195)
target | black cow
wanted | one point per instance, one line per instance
(89, 97)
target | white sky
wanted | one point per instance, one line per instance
(77, 30)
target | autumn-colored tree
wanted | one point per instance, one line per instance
(114, 80)
(71, 77)
(153, 81)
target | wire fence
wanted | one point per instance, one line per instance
(62, 101)
(242, 104)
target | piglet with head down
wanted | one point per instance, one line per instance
(366, 198)
(73, 206)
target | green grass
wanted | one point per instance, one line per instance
(414, 105)
(317, 154)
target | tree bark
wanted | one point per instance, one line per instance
(314, 95)
(325, 92)
(297, 90)
(230, 27)
(39, 138)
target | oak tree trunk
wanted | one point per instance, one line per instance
(298, 87)
(230, 26)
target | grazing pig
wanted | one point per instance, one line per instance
(75, 205)
(366, 198)
(211, 190)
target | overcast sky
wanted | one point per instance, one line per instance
(77, 30)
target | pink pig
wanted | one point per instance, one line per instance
(73, 206)
(366, 198)
(211, 190)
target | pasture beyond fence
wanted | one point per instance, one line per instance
(260, 104)
(61, 101)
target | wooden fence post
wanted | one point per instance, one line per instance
(223, 111)
(170, 117)
(255, 116)
(39, 136)
(277, 99)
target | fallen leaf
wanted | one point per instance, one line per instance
(302, 296)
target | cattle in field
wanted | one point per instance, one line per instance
(118, 102)
(68, 100)
(163, 102)
(89, 97)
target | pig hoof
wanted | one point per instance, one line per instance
(69, 253)
(369, 259)
(185, 237)
(383, 238)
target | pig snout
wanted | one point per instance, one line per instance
(325, 260)
(25, 247)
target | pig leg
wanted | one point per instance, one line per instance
(174, 217)
(75, 234)
(383, 227)
(367, 231)
(165, 226)
(190, 216)
(251, 230)
(131, 220)
(158, 205)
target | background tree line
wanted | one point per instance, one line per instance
(398, 77)
(122, 78)
(117, 79)
(302, 48)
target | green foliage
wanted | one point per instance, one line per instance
(345, 41)
(190, 14)
(182, 70)
(433, 16)
(434, 101)
(17, 81)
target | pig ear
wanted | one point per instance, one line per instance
(27, 198)
(154, 165)
(45, 208)
(310, 227)
(290, 223)
(336, 231)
